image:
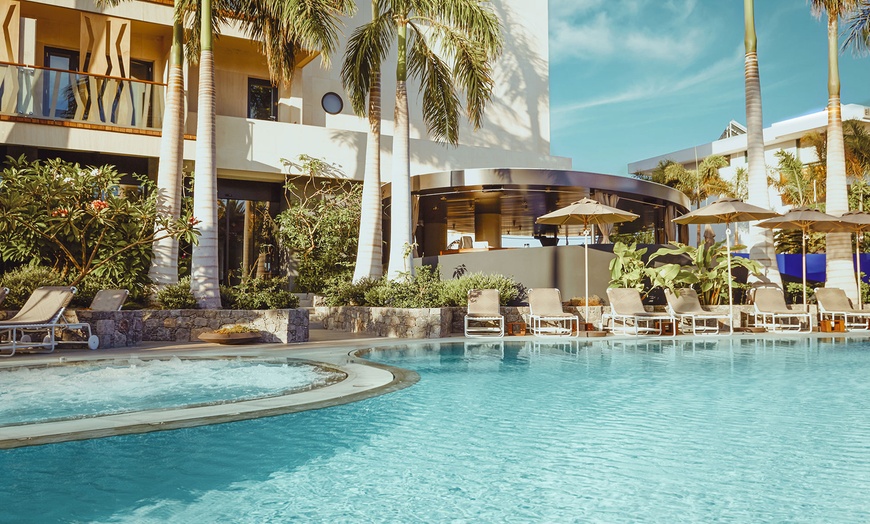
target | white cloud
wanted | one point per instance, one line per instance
(631, 30)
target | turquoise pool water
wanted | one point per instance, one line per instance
(735, 430)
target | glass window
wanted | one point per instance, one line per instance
(262, 100)
(332, 103)
(58, 90)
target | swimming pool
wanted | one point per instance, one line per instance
(739, 430)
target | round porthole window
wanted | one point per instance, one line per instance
(332, 103)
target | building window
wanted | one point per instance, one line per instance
(332, 103)
(58, 92)
(262, 99)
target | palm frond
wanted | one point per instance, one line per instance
(440, 102)
(858, 32)
(365, 52)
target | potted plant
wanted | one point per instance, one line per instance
(236, 334)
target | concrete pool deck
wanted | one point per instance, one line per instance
(336, 350)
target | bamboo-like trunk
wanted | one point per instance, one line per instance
(839, 268)
(164, 258)
(761, 247)
(204, 282)
(369, 253)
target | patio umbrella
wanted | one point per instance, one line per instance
(857, 222)
(804, 219)
(725, 211)
(586, 212)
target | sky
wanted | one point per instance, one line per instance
(633, 79)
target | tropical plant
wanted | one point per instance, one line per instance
(455, 291)
(449, 46)
(22, 280)
(164, 258)
(839, 270)
(369, 256)
(79, 220)
(259, 293)
(320, 223)
(790, 241)
(760, 239)
(176, 296)
(701, 183)
(627, 268)
(794, 181)
(710, 272)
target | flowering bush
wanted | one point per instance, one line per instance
(80, 221)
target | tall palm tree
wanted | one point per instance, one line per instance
(761, 247)
(449, 45)
(282, 28)
(839, 269)
(164, 258)
(369, 254)
(698, 184)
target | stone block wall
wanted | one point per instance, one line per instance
(128, 328)
(388, 322)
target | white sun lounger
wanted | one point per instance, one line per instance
(37, 322)
(685, 306)
(772, 313)
(483, 312)
(546, 317)
(834, 304)
(628, 317)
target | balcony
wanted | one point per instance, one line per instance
(74, 99)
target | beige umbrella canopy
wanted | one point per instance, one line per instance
(857, 222)
(805, 219)
(725, 211)
(585, 212)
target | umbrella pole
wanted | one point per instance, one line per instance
(858, 236)
(804, 260)
(586, 269)
(730, 294)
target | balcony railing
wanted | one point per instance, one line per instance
(56, 94)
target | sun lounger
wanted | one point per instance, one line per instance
(37, 322)
(685, 306)
(772, 313)
(546, 317)
(834, 304)
(104, 300)
(483, 312)
(627, 315)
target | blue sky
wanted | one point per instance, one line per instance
(632, 79)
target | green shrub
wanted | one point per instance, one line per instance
(455, 292)
(176, 296)
(23, 280)
(424, 290)
(88, 287)
(259, 293)
(342, 292)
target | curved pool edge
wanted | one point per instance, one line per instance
(364, 380)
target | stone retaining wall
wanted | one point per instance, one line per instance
(388, 322)
(128, 328)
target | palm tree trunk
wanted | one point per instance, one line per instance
(369, 263)
(761, 247)
(164, 258)
(204, 263)
(839, 268)
(401, 260)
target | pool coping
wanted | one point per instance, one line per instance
(365, 379)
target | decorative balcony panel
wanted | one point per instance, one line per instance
(56, 94)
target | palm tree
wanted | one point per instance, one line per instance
(449, 45)
(761, 247)
(840, 272)
(164, 258)
(282, 29)
(699, 184)
(369, 255)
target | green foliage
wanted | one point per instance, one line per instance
(794, 292)
(259, 293)
(789, 241)
(709, 274)
(80, 220)
(627, 269)
(424, 289)
(455, 291)
(644, 236)
(23, 280)
(176, 296)
(320, 224)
